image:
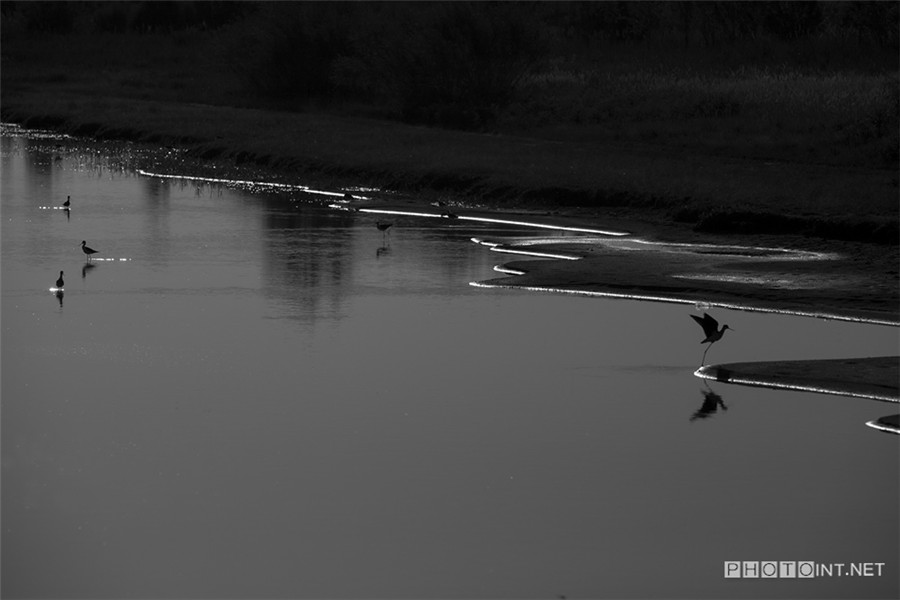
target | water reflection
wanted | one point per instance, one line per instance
(86, 268)
(712, 402)
(309, 254)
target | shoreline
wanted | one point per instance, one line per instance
(695, 193)
(591, 274)
(611, 258)
(872, 293)
(871, 378)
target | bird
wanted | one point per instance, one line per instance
(59, 282)
(87, 250)
(68, 202)
(711, 330)
(383, 226)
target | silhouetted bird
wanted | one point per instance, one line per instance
(87, 251)
(383, 228)
(59, 282)
(68, 202)
(711, 329)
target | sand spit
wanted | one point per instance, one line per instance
(874, 378)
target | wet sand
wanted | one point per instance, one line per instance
(653, 261)
(875, 378)
(887, 423)
(645, 261)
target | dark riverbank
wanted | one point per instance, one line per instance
(702, 193)
(740, 139)
(701, 177)
(544, 179)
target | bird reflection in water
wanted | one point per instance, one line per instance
(711, 404)
(87, 268)
(382, 251)
(58, 289)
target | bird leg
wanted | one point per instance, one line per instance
(703, 360)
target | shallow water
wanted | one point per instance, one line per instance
(248, 395)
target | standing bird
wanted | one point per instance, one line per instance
(87, 251)
(711, 329)
(59, 282)
(383, 227)
(68, 202)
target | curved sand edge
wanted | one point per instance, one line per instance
(888, 424)
(874, 378)
(842, 288)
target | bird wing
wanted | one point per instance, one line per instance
(708, 324)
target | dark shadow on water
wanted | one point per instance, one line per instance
(712, 402)
(382, 251)
(59, 296)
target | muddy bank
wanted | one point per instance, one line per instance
(845, 281)
(875, 378)
(887, 423)
(643, 190)
(695, 193)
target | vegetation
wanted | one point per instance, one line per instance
(795, 83)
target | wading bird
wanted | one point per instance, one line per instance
(68, 202)
(711, 329)
(383, 227)
(87, 251)
(59, 282)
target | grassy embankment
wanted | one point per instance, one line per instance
(750, 150)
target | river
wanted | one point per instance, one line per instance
(246, 394)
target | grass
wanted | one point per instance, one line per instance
(846, 118)
(752, 150)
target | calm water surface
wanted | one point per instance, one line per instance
(252, 396)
